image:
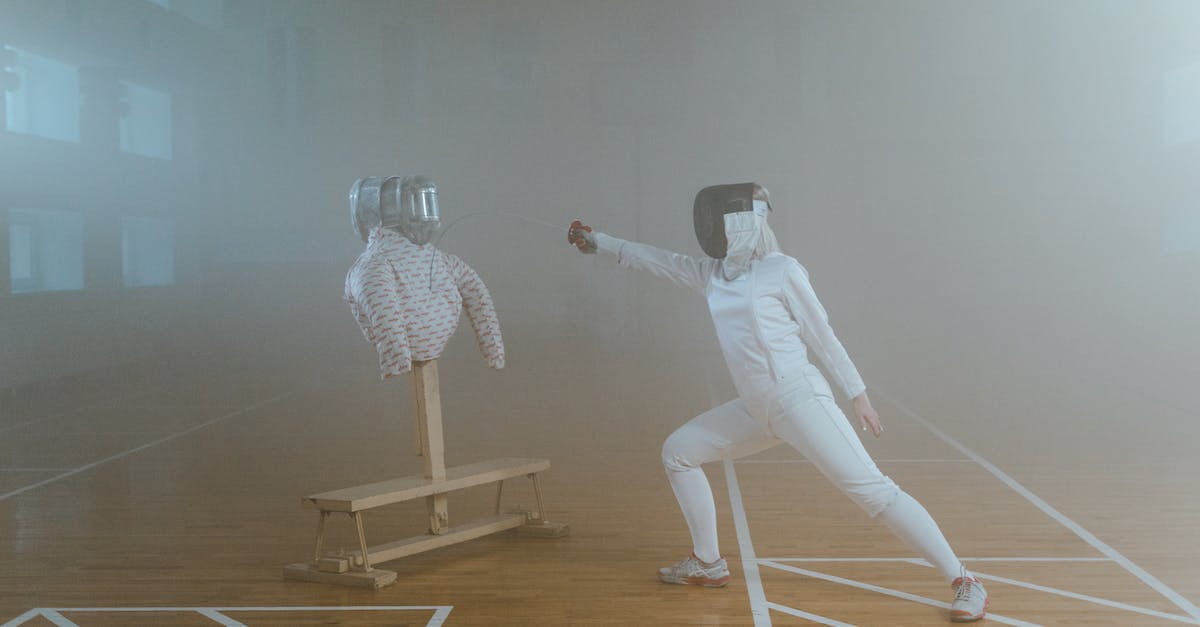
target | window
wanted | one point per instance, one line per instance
(146, 128)
(45, 250)
(45, 99)
(147, 252)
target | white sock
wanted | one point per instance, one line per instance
(909, 520)
(696, 500)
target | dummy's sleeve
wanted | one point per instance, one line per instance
(374, 299)
(480, 309)
(816, 332)
(675, 267)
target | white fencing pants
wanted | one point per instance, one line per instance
(816, 427)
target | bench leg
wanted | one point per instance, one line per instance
(499, 491)
(321, 518)
(362, 542)
(439, 516)
(537, 491)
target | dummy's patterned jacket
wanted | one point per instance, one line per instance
(407, 299)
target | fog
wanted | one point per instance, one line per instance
(997, 201)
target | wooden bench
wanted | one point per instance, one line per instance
(355, 568)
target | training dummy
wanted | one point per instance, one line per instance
(406, 295)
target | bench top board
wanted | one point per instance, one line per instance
(369, 495)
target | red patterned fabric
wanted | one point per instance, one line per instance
(407, 299)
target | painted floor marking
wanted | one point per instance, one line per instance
(887, 591)
(1090, 599)
(74, 410)
(758, 598)
(808, 616)
(1005, 580)
(221, 618)
(1137, 571)
(54, 614)
(57, 619)
(920, 562)
(759, 610)
(147, 445)
(878, 461)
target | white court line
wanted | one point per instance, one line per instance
(878, 461)
(68, 412)
(265, 608)
(220, 618)
(888, 591)
(758, 598)
(34, 469)
(57, 619)
(1022, 584)
(439, 616)
(1084, 534)
(920, 562)
(143, 447)
(1088, 598)
(440, 612)
(23, 618)
(812, 617)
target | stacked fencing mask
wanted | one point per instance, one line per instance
(364, 205)
(417, 211)
(409, 206)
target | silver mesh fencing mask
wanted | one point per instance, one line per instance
(417, 209)
(407, 205)
(364, 205)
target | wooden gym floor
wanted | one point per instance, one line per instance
(172, 497)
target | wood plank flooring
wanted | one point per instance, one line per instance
(181, 489)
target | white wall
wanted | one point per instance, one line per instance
(978, 188)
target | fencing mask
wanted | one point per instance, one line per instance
(364, 205)
(417, 209)
(709, 212)
(409, 206)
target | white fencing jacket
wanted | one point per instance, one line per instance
(767, 319)
(407, 299)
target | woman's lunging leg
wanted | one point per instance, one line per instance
(696, 501)
(724, 432)
(909, 520)
(816, 427)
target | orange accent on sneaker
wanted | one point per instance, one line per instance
(963, 616)
(709, 583)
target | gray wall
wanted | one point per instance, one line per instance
(979, 189)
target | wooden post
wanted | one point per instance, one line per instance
(428, 402)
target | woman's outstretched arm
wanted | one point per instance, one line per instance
(675, 267)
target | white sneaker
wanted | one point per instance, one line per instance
(970, 600)
(693, 571)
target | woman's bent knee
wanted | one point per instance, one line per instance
(675, 455)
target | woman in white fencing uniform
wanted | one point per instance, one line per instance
(768, 321)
